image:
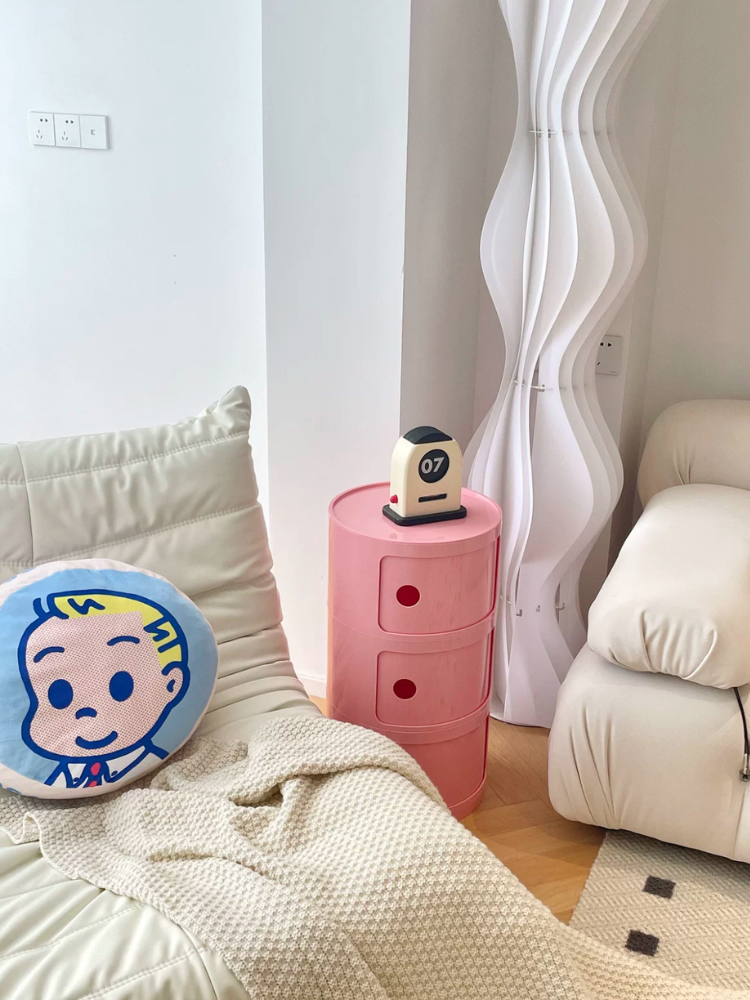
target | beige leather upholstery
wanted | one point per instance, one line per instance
(647, 749)
(653, 754)
(677, 599)
(181, 501)
(702, 441)
(64, 939)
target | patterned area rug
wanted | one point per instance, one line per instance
(682, 911)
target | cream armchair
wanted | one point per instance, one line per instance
(650, 732)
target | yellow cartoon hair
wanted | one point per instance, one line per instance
(167, 636)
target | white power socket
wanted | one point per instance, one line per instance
(41, 128)
(47, 128)
(67, 130)
(609, 356)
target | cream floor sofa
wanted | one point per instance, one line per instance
(180, 500)
(648, 734)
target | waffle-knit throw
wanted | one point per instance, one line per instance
(320, 863)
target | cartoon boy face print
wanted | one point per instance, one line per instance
(98, 684)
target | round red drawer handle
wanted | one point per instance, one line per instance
(404, 688)
(408, 595)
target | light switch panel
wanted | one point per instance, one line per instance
(93, 131)
(67, 130)
(41, 128)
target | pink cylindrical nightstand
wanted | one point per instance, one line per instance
(412, 617)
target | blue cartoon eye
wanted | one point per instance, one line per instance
(60, 693)
(121, 685)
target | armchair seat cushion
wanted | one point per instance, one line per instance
(677, 601)
(655, 755)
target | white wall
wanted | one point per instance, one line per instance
(453, 48)
(335, 113)
(685, 125)
(131, 280)
(490, 355)
(700, 340)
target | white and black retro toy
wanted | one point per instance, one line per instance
(425, 478)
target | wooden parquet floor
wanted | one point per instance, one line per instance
(549, 854)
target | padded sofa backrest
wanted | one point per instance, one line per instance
(702, 441)
(180, 500)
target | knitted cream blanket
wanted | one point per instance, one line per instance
(321, 864)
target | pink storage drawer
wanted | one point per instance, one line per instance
(437, 686)
(450, 563)
(364, 668)
(436, 594)
(456, 763)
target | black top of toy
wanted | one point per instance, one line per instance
(426, 435)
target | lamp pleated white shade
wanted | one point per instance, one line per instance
(562, 244)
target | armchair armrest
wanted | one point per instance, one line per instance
(676, 601)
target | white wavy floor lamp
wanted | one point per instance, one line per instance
(561, 247)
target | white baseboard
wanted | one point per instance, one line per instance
(315, 686)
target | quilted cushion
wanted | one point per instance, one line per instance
(700, 441)
(676, 601)
(178, 500)
(105, 670)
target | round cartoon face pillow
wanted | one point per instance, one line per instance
(105, 670)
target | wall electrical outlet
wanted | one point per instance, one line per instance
(47, 128)
(41, 128)
(609, 356)
(67, 130)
